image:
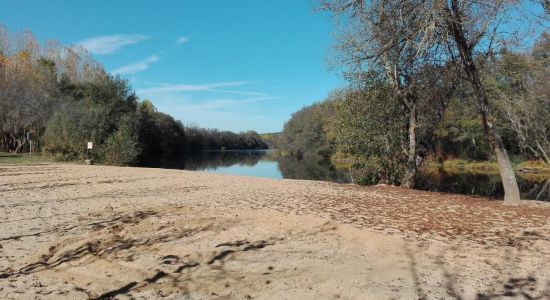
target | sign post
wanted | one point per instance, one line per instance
(30, 142)
(90, 147)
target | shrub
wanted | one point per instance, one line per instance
(121, 147)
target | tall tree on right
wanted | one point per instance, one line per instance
(470, 31)
(390, 42)
(474, 31)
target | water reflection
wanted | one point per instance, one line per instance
(531, 187)
(265, 164)
(311, 169)
(212, 160)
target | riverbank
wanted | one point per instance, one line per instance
(524, 168)
(71, 231)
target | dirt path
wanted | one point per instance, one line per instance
(102, 232)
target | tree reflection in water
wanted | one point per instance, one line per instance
(211, 160)
(312, 168)
(489, 185)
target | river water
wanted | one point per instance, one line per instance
(264, 164)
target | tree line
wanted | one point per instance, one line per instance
(430, 77)
(213, 139)
(59, 98)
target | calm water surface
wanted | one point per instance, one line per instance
(263, 164)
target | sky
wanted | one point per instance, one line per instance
(232, 65)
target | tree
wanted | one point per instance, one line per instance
(472, 28)
(64, 98)
(29, 90)
(161, 138)
(521, 83)
(306, 133)
(121, 147)
(469, 31)
(390, 39)
(373, 131)
(26, 100)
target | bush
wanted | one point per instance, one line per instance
(121, 148)
(370, 130)
(68, 131)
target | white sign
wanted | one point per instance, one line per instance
(90, 145)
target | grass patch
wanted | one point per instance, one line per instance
(24, 159)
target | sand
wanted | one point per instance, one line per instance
(94, 232)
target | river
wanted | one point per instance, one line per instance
(265, 164)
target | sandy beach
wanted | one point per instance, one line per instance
(95, 232)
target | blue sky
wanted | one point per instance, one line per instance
(235, 65)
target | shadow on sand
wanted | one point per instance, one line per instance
(179, 271)
(499, 287)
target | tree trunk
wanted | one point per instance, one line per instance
(19, 146)
(409, 179)
(509, 182)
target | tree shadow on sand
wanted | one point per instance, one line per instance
(499, 287)
(180, 272)
(92, 248)
(175, 276)
(177, 273)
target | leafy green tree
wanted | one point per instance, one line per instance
(372, 130)
(388, 40)
(121, 147)
(520, 87)
(460, 134)
(161, 138)
(71, 127)
(64, 98)
(307, 132)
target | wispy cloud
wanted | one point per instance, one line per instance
(239, 92)
(107, 44)
(137, 66)
(194, 104)
(210, 87)
(224, 114)
(224, 104)
(182, 40)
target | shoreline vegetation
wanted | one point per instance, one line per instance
(368, 127)
(439, 78)
(524, 168)
(55, 99)
(339, 161)
(70, 100)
